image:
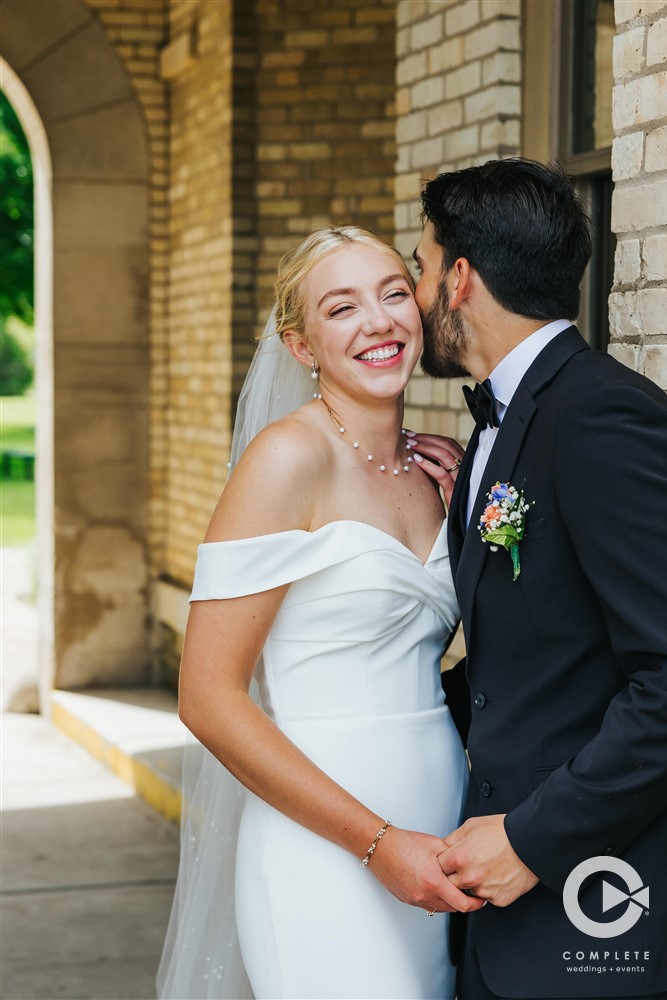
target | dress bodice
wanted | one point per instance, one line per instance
(361, 629)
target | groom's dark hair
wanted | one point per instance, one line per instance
(522, 227)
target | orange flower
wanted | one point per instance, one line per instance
(490, 514)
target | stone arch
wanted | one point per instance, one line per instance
(76, 102)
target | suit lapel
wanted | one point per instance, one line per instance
(499, 468)
(456, 527)
(502, 461)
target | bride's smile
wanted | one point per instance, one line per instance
(364, 328)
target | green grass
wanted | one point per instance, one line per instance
(17, 499)
(17, 512)
(17, 422)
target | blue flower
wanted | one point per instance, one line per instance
(501, 491)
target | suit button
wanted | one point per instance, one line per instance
(480, 699)
(485, 789)
(611, 851)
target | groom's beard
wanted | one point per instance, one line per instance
(445, 340)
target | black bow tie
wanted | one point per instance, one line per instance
(482, 404)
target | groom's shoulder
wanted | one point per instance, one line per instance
(592, 378)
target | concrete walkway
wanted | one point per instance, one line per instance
(87, 873)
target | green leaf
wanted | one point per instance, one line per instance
(505, 536)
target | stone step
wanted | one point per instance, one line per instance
(136, 732)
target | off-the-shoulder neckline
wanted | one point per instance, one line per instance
(336, 523)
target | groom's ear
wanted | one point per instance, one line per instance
(297, 346)
(459, 282)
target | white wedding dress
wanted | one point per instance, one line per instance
(351, 674)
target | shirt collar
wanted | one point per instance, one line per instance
(506, 376)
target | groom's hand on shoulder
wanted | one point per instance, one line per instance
(479, 859)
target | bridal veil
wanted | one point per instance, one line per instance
(201, 959)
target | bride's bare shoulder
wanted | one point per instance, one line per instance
(277, 481)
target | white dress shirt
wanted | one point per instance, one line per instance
(505, 379)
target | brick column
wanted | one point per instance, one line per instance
(458, 103)
(138, 31)
(638, 303)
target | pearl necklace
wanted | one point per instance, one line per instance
(355, 444)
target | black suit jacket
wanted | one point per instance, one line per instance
(564, 699)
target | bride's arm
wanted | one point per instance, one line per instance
(224, 639)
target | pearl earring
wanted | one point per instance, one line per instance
(315, 373)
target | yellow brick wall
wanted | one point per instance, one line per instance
(325, 122)
(458, 103)
(138, 29)
(200, 277)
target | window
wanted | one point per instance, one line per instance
(568, 83)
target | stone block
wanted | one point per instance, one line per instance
(402, 42)
(655, 364)
(306, 39)
(419, 391)
(656, 150)
(654, 256)
(627, 264)
(652, 303)
(639, 206)
(628, 355)
(97, 374)
(440, 422)
(426, 33)
(639, 101)
(87, 145)
(656, 44)
(624, 319)
(629, 53)
(503, 99)
(445, 56)
(99, 79)
(428, 92)
(462, 17)
(29, 30)
(492, 37)
(462, 142)
(407, 186)
(501, 67)
(500, 8)
(101, 297)
(627, 10)
(96, 437)
(464, 80)
(445, 117)
(626, 155)
(409, 11)
(411, 127)
(496, 133)
(99, 216)
(427, 153)
(117, 493)
(411, 68)
(178, 55)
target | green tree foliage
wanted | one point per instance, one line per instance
(16, 220)
(15, 369)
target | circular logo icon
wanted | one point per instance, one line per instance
(636, 897)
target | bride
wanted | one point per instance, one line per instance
(325, 574)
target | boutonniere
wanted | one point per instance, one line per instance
(503, 522)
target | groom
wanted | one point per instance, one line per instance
(562, 700)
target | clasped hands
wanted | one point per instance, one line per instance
(479, 859)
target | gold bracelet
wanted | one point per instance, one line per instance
(378, 837)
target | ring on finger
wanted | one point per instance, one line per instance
(456, 465)
(430, 913)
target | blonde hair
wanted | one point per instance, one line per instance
(297, 264)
